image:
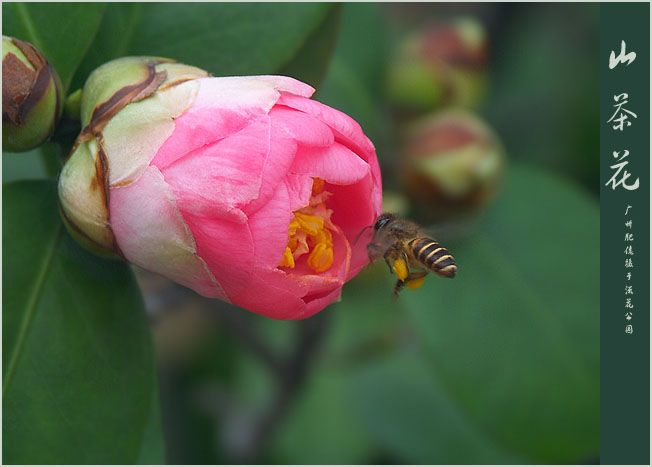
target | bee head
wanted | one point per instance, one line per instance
(382, 220)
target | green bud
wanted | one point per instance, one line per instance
(442, 65)
(31, 96)
(451, 163)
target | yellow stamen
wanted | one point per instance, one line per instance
(309, 224)
(323, 236)
(288, 259)
(294, 225)
(400, 268)
(414, 284)
(309, 233)
(321, 258)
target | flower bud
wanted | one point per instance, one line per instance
(442, 65)
(31, 96)
(241, 188)
(451, 163)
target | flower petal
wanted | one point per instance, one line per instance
(305, 129)
(299, 190)
(276, 295)
(335, 164)
(269, 300)
(316, 302)
(269, 229)
(284, 84)
(223, 107)
(227, 249)
(151, 233)
(217, 180)
(355, 207)
(346, 129)
(282, 150)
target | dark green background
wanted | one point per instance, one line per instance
(625, 358)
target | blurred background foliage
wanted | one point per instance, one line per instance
(499, 365)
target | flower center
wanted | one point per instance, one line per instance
(309, 232)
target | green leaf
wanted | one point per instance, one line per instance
(27, 165)
(388, 389)
(152, 449)
(112, 40)
(355, 79)
(61, 31)
(367, 322)
(410, 414)
(78, 370)
(514, 338)
(524, 95)
(227, 38)
(311, 62)
(223, 38)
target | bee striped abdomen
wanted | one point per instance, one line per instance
(434, 256)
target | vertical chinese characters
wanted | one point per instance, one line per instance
(620, 119)
(629, 266)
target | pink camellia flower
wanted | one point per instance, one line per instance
(241, 188)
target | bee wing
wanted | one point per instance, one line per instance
(451, 230)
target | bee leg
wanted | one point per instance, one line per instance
(397, 288)
(402, 272)
(391, 253)
(413, 281)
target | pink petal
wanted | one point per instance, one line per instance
(226, 247)
(285, 84)
(151, 233)
(346, 129)
(269, 229)
(299, 190)
(268, 300)
(317, 302)
(282, 150)
(222, 107)
(217, 180)
(272, 295)
(305, 129)
(335, 164)
(354, 207)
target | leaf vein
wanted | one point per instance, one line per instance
(30, 309)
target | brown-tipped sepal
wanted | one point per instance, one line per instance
(84, 198)
(31, 96)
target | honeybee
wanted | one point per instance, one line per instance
(412, 254)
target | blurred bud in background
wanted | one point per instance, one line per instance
(451, 163)
(442, 65)
(31, 96)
